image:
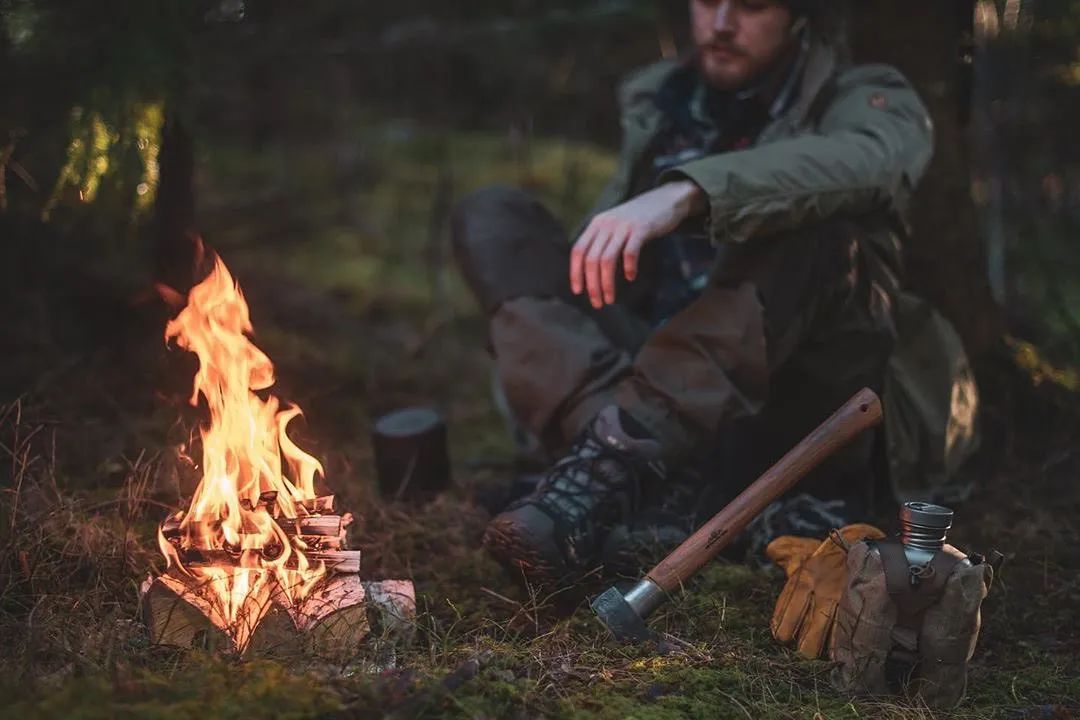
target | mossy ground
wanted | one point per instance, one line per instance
(353, 297)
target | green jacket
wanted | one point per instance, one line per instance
(855, 139)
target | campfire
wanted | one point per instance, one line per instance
(257, 558)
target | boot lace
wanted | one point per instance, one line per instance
(578, 483)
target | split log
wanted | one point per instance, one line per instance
(334, 622)
(392, 615)
(172, 620)
(331, 623)
(318, 533)
(275, 636)
(337, 561)
(320, 505)
(318, 525)
(324, 524)
(321, 542)
(321, 532)
(168, 620)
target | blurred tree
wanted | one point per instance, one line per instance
(86, 89)
(1029, 164)
(931, 41)
(115, 108)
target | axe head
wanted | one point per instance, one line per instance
(624, 615)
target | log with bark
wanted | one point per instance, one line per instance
(340, 618)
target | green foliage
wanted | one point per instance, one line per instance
(1055, 31)
(85, 103)
(122, 158)
(391, 251)
(1028, 358)
(1025, 109)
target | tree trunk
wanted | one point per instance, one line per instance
(930, 41)
(174, 208)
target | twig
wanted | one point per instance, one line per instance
(500, 596)
(521, 607)
(736, 703)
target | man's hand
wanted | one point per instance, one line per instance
(622, 231)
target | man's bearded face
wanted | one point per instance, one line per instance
(739, 40)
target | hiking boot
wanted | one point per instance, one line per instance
(649, 536)
(554, 535)
(691, 497)
(694, 494)
(636, 546)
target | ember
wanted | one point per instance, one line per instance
(256, 540)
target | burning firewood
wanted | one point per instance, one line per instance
(257, 562)
(335, 622)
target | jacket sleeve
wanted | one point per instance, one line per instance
(869, 149)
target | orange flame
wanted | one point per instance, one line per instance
(244, 560)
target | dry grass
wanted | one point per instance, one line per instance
(72, 555)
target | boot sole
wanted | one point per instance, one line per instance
(522, 541)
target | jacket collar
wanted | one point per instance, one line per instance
(820, 64)
(781, 92)
(640, 94)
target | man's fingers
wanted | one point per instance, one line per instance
(632, 252)
(577, 258)
(592, 267)
(609, 262)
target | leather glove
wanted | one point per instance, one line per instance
(816, 573)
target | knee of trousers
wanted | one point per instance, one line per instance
(508, 245)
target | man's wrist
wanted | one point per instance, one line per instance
(689, 197)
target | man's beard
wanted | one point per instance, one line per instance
(728, 72)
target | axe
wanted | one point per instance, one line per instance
(625, 615)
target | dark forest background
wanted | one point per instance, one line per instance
(319, 148)
(133, 124)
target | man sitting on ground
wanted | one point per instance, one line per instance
(739, 269)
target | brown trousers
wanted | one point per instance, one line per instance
(789, 327)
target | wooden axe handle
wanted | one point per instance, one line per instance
(859, 413)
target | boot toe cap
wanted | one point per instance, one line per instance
(523, 540)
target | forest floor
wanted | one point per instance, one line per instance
(352, 300)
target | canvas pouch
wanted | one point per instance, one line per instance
(894, 635)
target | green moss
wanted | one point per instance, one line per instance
(1039, 681)
(203, 688)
